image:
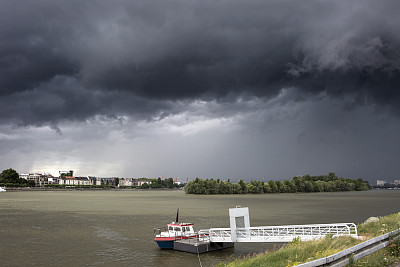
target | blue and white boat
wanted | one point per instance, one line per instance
(166, 236)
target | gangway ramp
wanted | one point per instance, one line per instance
(275, 234)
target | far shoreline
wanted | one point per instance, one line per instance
(41, 189)
(29, 189)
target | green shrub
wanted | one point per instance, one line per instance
(394, 247)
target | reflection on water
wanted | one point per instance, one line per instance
(111, 228)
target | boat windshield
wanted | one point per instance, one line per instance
(183, 228)
(176, 228)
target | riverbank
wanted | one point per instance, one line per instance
(300, 252)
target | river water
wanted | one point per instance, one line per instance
(115, 228)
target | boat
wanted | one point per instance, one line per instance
(2, 189)
(165, 237)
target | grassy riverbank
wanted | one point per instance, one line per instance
(299, 252)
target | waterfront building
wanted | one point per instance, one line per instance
(385, 183)
(180, 180)
(127, 182)
(104, 181)
(140, 182)
(70, 180)
(380, 183)
(39, 179)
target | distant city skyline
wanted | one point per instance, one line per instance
(387, 182)
(379, 182)
(93, 175)
(228, 89)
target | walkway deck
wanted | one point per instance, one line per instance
(276, 234)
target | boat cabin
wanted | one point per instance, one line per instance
(177, 227)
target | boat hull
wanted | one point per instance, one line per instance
(165, 242)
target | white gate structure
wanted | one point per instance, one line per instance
(240, 230)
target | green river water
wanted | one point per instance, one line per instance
(115, 228)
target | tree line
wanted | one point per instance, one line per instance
(10, 177)
(306, 183)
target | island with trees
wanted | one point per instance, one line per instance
(298, 184)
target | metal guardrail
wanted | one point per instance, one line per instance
(359, 251)
(282, 233)
(193, 238)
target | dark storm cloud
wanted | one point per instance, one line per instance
(71, 60)
(64, 98)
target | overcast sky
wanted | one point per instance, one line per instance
(255, 89)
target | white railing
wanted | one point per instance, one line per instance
(193, 238)
(281, 233)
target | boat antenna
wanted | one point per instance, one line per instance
(177, 215)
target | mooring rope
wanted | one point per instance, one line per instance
(198, 255)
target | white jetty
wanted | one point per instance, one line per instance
(241, 231)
